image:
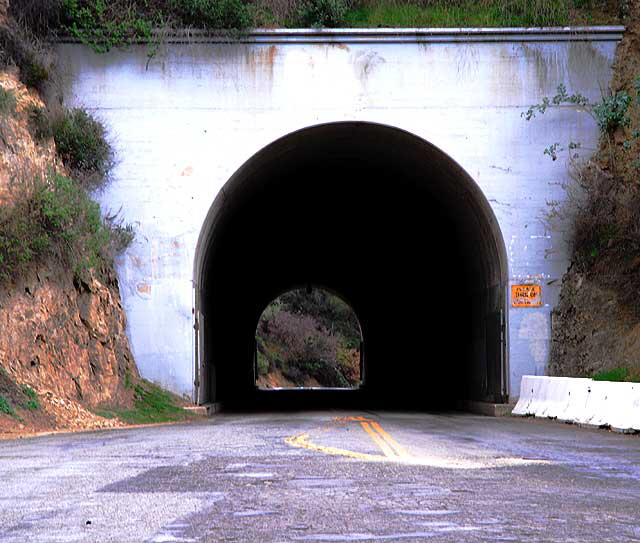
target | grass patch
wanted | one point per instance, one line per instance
(105, 413)
(152, 404)
(33, 403)
(483, 13)
(617, 375)
(462, 13)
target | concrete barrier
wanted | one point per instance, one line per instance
(578, 398)
(581, 401)
(528, 391)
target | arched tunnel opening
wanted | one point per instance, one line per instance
(388, 222)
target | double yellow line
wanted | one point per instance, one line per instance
(389, 446)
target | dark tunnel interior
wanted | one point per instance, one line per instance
(388, 222)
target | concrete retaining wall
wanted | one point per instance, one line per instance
(581, 401)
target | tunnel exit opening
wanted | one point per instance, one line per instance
(385, 219)
(309, 339)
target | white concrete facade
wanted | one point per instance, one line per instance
(185, 120)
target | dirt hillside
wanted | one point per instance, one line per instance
(596, 324)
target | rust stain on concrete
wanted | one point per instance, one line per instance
(144, 288)
(261, 61)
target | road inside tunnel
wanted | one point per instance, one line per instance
(391, 224)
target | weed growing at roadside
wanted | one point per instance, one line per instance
(151, 404)
(616, 375)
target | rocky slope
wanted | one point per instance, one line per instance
(60, 337)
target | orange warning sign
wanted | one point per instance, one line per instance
(526, 296)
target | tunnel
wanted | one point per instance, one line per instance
(391, 224)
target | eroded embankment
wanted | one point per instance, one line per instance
(596, 324)
(63, 347)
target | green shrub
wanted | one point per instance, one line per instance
(5, 406)
(7, 102)
(81, 143)
(323, 13)
(104, 24)
(34, 73)
(121, 235)
(611, 112)
(56, 217)
(213, 14)
(39, 123)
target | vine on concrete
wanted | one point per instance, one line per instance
(610, 114)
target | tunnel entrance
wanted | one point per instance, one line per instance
(387, 221)
(308, 338)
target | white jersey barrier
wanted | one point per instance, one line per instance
(582, 401)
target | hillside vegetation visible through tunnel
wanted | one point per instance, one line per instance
(308, 338)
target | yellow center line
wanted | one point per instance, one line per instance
(388, 445)
(302, 441)
(386, 449)
(392, 442)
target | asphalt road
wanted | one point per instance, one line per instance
(325, 477)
